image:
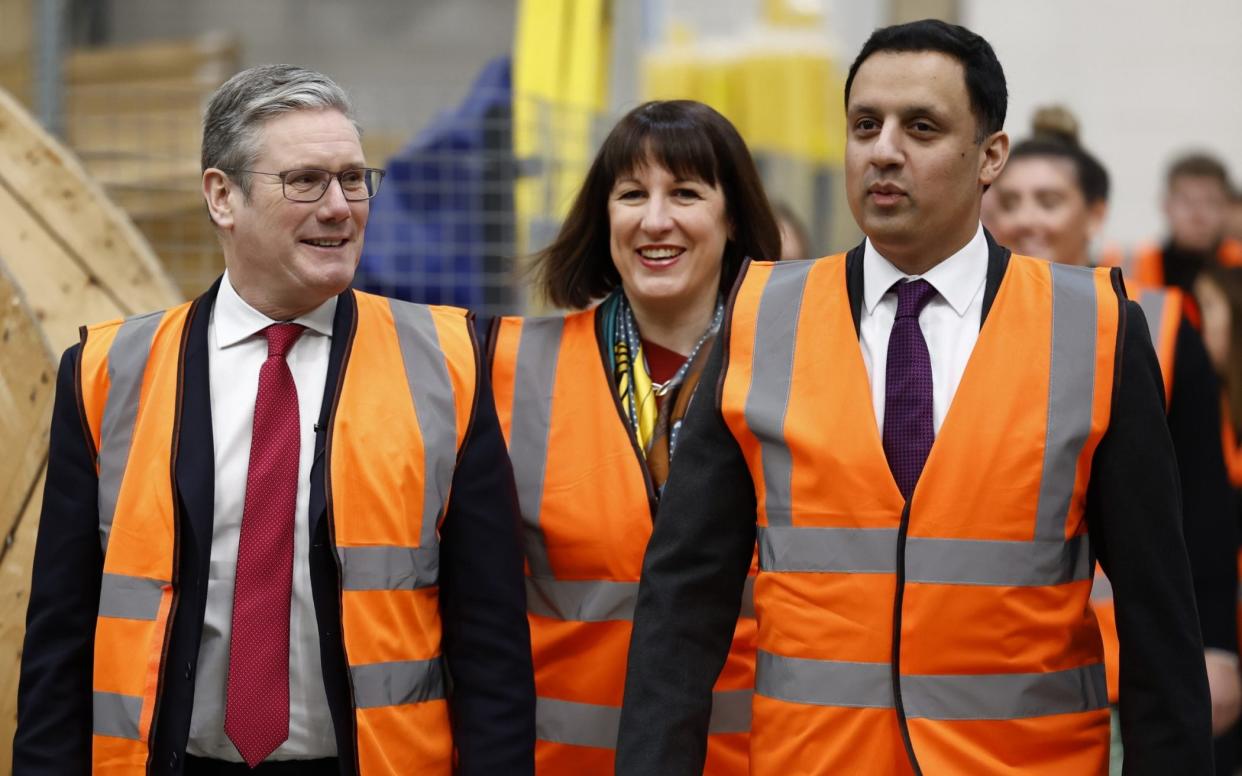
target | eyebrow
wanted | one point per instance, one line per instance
(906, 113)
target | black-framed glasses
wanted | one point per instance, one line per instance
(309, 185)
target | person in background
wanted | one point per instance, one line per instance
(930, 437)
(1051, 201)
(248, 561)
(1196, 203)
(1233, 219)
(795, 240)
(592, 405)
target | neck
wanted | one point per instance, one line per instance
(918, 259)
(677, 328)
(269, 304)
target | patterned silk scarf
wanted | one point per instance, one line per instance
(655, 424)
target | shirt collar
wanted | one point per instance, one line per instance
(236, 320)
(957, 279)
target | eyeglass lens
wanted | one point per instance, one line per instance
(310, 185)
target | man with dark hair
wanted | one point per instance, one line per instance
(1233, 221)
(1196, 207)
(248, 560)
(931, 439)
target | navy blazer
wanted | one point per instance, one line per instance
(486, 640)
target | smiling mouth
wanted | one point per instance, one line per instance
(660, 254)
(322, 243)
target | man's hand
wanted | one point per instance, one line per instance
(1226, 687)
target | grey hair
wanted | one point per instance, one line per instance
(240, 107)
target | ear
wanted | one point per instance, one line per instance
(995, 154)
(218, 191)
(1096, 214)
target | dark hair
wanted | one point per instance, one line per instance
(1198, 165)
(985, 79)
(1229, 281)
(1054, 133)
(691, 141)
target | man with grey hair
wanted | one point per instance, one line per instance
(248, 561)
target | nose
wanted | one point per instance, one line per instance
(657, 218)
(333, 206)
(886, 150)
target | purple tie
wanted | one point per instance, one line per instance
(908, 427)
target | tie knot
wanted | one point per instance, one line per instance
(281, 336)
(912, 296)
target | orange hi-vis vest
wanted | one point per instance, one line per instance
(401, 411)
(951, 634)
(587, 506)
(1233, 465)
(1162, 307)
(1145, 266)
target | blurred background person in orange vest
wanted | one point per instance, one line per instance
(591, 403)
(1196, 205)
(1233, 220)
(1050, 201)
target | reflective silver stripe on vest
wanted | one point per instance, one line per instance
(116, 715)
(1101, 588)
(730, 711)
(577, 724)
(389, 568)
(1005, 696)
(127, 363)
(861, 550)
(1152, 301)
(535, 373)
(748, 598)
(130, 598)
(938, 697)
(581, 600)
(397, 683)
(776, 330)
(824, 682)
(596, 725)
(932, 561)
(1071, 388)
(426, 371)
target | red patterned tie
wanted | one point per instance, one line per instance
(256, 714)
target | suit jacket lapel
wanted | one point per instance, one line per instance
(343, 327)
(195, 465)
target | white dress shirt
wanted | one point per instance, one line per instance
(950, 321)
(236, 350)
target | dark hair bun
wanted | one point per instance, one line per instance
(1055, 123)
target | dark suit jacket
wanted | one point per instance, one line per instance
(482, 599)
(704, 535)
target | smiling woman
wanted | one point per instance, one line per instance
(592, 403)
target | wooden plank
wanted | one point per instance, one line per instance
(185, 93)
(64, 242)
(214, 55)
(14, 594)
(27, 385)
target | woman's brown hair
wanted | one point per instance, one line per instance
(690, 140)
(1229, 281)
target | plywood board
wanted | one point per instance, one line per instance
(74, 257)
(71, 250)
(27, 386)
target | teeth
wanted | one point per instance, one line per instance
(327, 243)
(659, 253)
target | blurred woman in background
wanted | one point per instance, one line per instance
(591, 403)
(1050, 201)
